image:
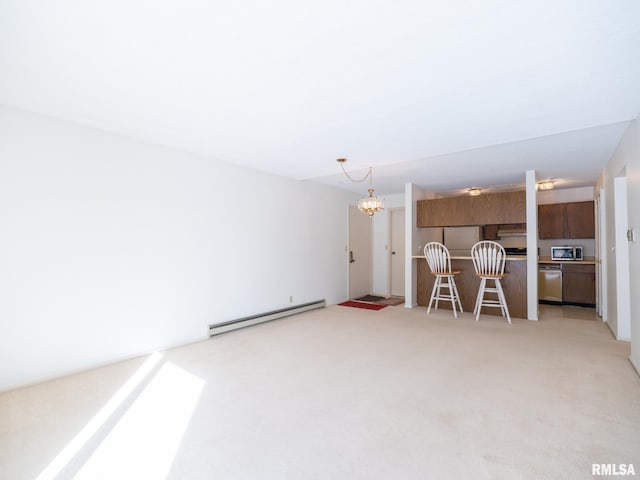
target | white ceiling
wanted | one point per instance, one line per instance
(445, 94)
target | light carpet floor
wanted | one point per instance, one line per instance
(343, 393)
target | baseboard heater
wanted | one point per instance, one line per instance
(225, 327)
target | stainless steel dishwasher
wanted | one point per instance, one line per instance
(550, 282)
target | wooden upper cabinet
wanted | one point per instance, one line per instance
(493, 208)
(459, 208)
(580, 220)
(498, 208)
(566, 220)
(422, 217)
(430, 213)
(436, 213)
(551, 220)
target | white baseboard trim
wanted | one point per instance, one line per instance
(224, 327)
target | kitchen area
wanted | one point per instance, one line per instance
(567, 263)
(459, 241)
(460, 222)
(565, 253)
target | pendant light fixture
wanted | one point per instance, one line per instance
(370, 204)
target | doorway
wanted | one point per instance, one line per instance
(360, 253)
(397, 252)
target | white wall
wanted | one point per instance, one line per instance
(626, 158)
(111, 247)
(381, 226)
(412, 193)
(566, 195)
(532, 244)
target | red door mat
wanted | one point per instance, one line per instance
(365, 305)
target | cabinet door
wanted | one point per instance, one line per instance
(507, 207)
(488, 209)
(458, 211)
(427, 214)
(454, 211)
(422, 214)
(490, 232)
(580, 220)
(579, 284)
(432, 213)
(551, 220)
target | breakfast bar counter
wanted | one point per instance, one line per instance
(514, 284)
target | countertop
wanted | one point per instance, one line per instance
(586, 261)
(468, 257)
(514, 284)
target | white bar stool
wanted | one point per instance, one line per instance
(439, 261)
(489, 259)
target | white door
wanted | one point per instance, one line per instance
(598, 246)
(621, 255)
(397, 252)
(601, 256)
(360, 253)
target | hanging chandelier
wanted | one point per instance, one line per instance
(370, 204)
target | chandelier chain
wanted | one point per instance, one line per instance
(368, 175)
(370, 204)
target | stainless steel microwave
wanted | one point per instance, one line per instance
(566, 252)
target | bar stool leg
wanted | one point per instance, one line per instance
(501, 304)
(503, 300)
(483, 282)
(433, 294)
(455, 289)
(451, 293)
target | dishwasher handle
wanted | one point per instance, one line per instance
(550, 267)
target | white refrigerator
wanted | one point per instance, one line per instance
(459, 240)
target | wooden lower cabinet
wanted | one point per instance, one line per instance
(579, 284)
(514, 285)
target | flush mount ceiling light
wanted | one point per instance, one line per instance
(474, 191)
(370, 204)
(546, 185)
